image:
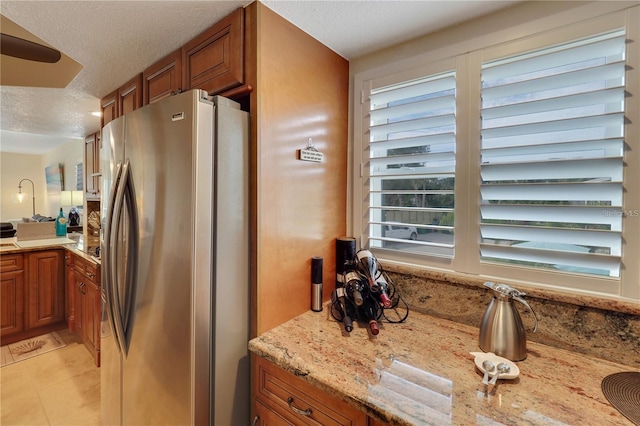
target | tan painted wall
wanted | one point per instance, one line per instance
(15, 167)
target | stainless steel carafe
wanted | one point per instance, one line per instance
(501, 330)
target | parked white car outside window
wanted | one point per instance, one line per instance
(402, 232)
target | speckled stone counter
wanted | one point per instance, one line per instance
(82, 246)
(421, 372)
(593, 326)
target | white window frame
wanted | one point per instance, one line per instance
(468, 66)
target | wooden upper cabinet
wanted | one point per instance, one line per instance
(109, 106)
(92, 171)
(130, 95)
(162, 79)
(214, 60)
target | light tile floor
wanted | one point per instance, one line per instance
(61, 387)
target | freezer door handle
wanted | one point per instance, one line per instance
(132, 240)
(108, 254)
(126, 218)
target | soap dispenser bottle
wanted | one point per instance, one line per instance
(61, 225)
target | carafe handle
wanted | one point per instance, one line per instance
(524, 302)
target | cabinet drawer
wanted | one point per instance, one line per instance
(300, 402)
(88, 270)
(11, 262)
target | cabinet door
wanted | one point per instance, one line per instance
(70, 290)
(89, 166)
(214, 60)
(97, 171)
(109, 106)
(162, 79)
(45, 288)
(91, 316)
(78, 301)
(130, 95)
(11, 302)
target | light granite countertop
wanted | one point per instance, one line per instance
(75, 243)
(421, 372)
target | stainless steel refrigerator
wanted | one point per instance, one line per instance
(174, 248)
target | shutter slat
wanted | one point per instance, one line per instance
(412, 158)
(608, 168)
(419, 108)
(414, 209)
(595, 215)
(611, 147)
(595, 97)
(567, 81)
(383, 96)
(590, 263)
(613, 120)
(561, 239)
(611, 45)
(586, 191)
(417, 127)
(431, 170)
(413, 192)
(433, 139)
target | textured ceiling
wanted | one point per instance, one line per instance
(114, 40)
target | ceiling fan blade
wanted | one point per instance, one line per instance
(25, 49)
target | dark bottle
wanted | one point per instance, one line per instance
(370, 312)
(370, 268)
(341, 308)
(355, 287)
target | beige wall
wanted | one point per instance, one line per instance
(14, 167)
(68, 154)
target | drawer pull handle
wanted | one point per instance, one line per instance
(306, 412)
(255, 421)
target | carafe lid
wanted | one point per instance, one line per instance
(507, 293)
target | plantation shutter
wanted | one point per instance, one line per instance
(412, 165)
(552, 144)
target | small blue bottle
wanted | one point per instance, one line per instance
(61, 225)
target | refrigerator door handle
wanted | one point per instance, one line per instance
(114, 264)
(132, 239)
(108, 280)
(125, 214)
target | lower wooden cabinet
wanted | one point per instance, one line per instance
(282, 398)
(87, 305)
(69, 287)
(11, 295)
(265, 416)
(32, 294)
(45, 288)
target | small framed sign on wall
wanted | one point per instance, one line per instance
(54, 177)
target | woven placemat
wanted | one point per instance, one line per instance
(622, 390)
